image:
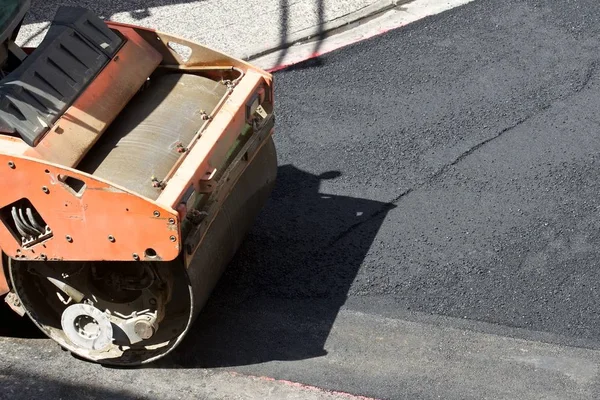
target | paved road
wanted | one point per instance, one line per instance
(467, 152)
(440, 181)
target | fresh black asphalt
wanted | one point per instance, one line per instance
(448, 168)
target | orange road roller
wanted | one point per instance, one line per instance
(132, 165)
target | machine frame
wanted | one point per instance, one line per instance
(135, 228)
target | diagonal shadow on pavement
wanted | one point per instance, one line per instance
(281, 294)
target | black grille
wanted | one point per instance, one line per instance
(76, 48)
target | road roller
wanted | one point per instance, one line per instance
(132, 165)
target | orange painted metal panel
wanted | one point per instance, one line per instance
(89, 219)
(224, 188)
(3, 280)
(199, 54)
(83, 123)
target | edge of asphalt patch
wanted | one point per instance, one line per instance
(328, 27)
(368, 22)
(368, 357)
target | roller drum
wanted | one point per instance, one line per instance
(232, 223)
(190, 288)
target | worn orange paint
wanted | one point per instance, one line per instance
(200, 55)
(90, 217)
(220, 190)
(13, 145)
(104, 209)
(84, 122)
(100, 211)
(214, 143)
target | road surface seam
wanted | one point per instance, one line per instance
(389, 205)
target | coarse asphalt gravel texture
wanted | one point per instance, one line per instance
(449, 168)
(467, 148)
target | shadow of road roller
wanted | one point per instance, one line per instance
(137, 162)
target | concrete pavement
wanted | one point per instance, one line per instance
(425, 359)
(243, 28)
(27, 374)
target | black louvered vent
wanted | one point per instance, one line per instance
(76, 48)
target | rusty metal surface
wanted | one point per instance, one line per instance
(103, 221)
(153, 132)
(83, 123)
(231, 223)
(221, 188)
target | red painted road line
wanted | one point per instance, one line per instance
(334, 48)
(305, 387)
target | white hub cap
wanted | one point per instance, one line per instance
(87, 327)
